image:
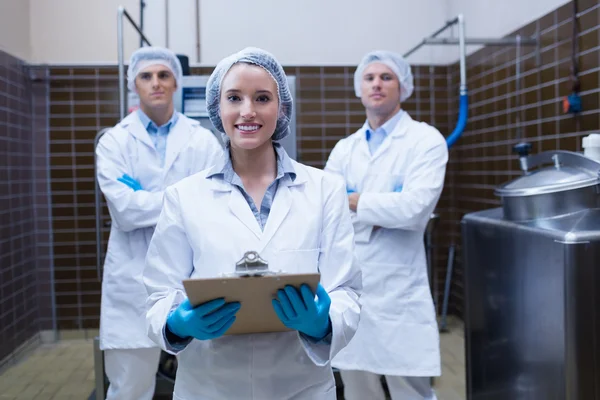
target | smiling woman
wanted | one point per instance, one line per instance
(249, 106)
(256, 198)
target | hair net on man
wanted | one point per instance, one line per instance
(393, 61)
(265, 60)
(145, 57)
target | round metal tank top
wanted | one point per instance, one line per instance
(555, 183)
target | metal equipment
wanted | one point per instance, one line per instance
(431, 225)
(532, 301)
(447, 288)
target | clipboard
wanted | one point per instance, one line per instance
(254, 286)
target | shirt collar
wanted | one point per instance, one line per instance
(148, 123)
(225, 168)
(386, 128)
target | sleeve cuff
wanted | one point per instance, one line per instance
(325, 340)
(319, 352)
(174, 346)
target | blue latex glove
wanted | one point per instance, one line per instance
(207, 321)
(398, 188)
(129, 181)
(302, 312)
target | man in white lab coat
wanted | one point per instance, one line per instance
(394, 169)
(147, 151)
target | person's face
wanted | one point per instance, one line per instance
(380, 89)
(249, 106)
(156, 85)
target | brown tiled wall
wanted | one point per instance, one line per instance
(85, 100)
(82, 101)
(21, 128)
(483, 158)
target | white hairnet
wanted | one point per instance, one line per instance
(265, 60)
(395, 62)
(147, 56)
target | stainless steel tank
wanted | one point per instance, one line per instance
(532, 285)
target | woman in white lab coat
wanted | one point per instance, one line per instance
(296, 217)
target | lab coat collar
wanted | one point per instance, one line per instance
(178, 137)
(387, 127)
(399, 131)
(133, 124)
(148, 123)
(282, 203)
(224, 169)
(293, 175)
(402, 125)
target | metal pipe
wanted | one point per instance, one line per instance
(463, 110)
(198, 49)
(447, 288)
(481, 41)
(448, 25)
(417, 47)
(142, 5)
(432, 39)
(121, 12)
(518, 87)
(167, 24)
(463, 54)
(431, 225)
(100, 390)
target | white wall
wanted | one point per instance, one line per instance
(298, 32)
(14, 28)
(495, 19)
(181, 21)
(317, 32)
(79, 31)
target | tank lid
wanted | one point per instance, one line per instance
(568, 171)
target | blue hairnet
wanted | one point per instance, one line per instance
(265, 60)
(393, 61)
(146, 56)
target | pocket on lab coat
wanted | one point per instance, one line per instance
(362, 232)
(296, 261)
(384, 287)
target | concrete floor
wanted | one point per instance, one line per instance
(65, 370)
(62, 370)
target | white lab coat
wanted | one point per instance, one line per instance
(398, 333)
(205, 228)
(128, 149)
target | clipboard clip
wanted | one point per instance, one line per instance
(251, 264)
